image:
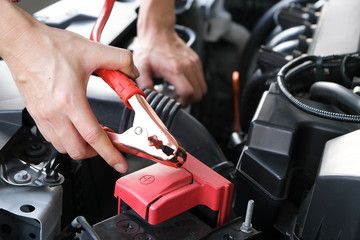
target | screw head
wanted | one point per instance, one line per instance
(127, 226)
(22, 176)
(138, 130)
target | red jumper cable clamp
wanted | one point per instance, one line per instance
(158, 192)
(148, 138)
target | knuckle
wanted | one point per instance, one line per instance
(47, 113)
(127, 58)
(63, 103)
(196, 59)
(58, 147)
(188, 64)
(92, 136)
(175, 66)
(61, 150)
(77, 154)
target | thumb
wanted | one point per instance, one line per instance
(112, 58)
(145, 79)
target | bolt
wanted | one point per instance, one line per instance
(247, 226)
(35, 146)
(138, 130)
(127, 227)
(36, 149)
(51, 176)
(22, 176)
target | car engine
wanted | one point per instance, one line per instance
(272, 147)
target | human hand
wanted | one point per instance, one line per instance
(170, 58)
(161, 53)
(51, 68)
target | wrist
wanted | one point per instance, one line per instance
(156, 19)
(15, 23)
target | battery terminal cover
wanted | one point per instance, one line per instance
(159, 192)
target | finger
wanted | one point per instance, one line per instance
(145, 78)
(50, 136)
(192, 91)
(183, 88)
(113, 58)
(46, 131)
(90, 130)
(194, 73)
(57, 129)
(71, 140)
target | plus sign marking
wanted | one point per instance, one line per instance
(147, 179)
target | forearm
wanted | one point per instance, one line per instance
(156, 17)
(14, 24)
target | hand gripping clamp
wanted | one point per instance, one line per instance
(148, 138)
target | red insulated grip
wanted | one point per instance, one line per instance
(122, 85)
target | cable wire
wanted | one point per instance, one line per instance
(101, 20)
(320, 63)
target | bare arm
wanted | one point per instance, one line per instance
(51, 68)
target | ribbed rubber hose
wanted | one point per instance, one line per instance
(336, 93)
(193, 136)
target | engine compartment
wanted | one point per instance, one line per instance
(295, 157)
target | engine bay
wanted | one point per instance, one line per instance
(277, 159)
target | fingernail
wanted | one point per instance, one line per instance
(120, 167)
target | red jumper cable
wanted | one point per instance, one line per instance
(148, 137)
(158, 193)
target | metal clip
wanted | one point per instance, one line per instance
(148, 137)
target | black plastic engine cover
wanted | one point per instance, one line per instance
(338, 31)
(331, 210)
(280, 160)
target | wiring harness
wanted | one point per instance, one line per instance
(316, 64)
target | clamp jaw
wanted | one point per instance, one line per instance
(148, 138)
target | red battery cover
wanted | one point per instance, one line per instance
(159, 192)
